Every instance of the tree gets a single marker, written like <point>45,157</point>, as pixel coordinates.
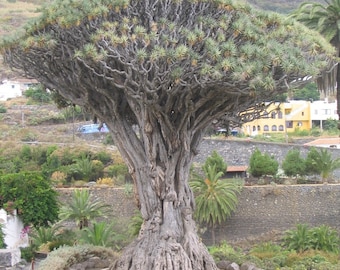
<point>293,164</point>
<point>169,68</point>
<point>82,208</point>
<point>262,164</point>
<point>309,92</point>
<point>321,162</point>
<point>216,199</point>
<point>325,19</point>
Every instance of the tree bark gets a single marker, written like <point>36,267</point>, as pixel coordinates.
<point>168,238</point>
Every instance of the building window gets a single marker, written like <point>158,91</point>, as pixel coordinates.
<point>299,124</point>
<point>13,86</point>
<point>266,128</point>
<point>273,115</point>
<point>281,128</point>
<point>265,115</point>
<point>280,115</point>
<point>258,128</point>
<point>316,112</point>
<point>303,113</point>
<point>274,128</point>
<point>289,124</point>
<point>254,128</point>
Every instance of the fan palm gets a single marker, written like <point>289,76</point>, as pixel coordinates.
<point>325,19</point>
<point>215,199</point>
<point>82,208</point>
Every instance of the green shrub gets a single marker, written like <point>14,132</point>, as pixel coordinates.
<point>215,160</point>
<point>38,94</point>
<point>318,238</point>
<point>32,195</point>
<point>262,164</point>
<point>293,164</point>
<point>27,253</point>
<point>3,108</point>
<point>117,169</point>
<point>103,156</point>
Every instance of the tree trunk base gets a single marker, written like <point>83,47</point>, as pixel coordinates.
<point>165,254</point>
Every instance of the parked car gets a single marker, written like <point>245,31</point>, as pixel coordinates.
<point>93,128</point>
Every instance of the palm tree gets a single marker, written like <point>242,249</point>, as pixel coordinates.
<point>325,19</point>
<point>324,163</point>
<point>82,208</point>
<point>100,234</point>
<point>215,199</point>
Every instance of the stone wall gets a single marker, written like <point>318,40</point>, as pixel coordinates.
<point>261,209</point>
<point>238,152</point>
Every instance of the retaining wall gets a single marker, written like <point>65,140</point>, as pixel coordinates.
<point>261,209</point>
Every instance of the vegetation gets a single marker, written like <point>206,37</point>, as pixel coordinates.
<point>301,248</point>
<point>68,256</point>
<point>34,198</point>
<point>82,208</point>
<point>308,92</point>
<point>324,19</point>
<point>262,164</point>
<point>215,198</point>
<point>304,238</point>
<point>37,94</point>
<point>321,163</point>
<point>191,68</point>
<point>215,160</point>
<point>294,164</point>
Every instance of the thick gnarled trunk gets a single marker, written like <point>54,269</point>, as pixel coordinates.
<point>168,238</point>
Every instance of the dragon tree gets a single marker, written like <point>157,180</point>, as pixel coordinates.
<point>169,68</point>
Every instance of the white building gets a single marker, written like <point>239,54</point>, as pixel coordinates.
<point>14,88</point>
<point>321,110</point>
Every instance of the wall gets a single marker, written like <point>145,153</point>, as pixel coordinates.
<point>261,209</point>
<point>238,152</point>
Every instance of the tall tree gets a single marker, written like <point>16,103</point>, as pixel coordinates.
<point>325,19</point>
<point>170,68</point>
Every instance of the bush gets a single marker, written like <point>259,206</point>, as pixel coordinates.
<point>2,109</point>
<point>65,257</point>
<point>32,195</point>
<point>293,164</point>
<point>38,94</point>
<point>105,181</point>
<point>262,164</point>
<point>215,160</point>
<point>319,238</point>
<point>117,169</point>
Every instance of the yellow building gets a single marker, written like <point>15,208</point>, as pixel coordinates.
<point>281,118</point>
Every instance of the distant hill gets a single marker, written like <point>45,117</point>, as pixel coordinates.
<point>15,13</point>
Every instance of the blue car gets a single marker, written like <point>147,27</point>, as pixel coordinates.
<point>93,128</point>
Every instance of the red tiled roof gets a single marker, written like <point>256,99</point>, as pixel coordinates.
<point>326,141</point>
<point>237,168</point>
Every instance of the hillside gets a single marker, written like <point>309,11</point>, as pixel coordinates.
<point>15,13</point>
